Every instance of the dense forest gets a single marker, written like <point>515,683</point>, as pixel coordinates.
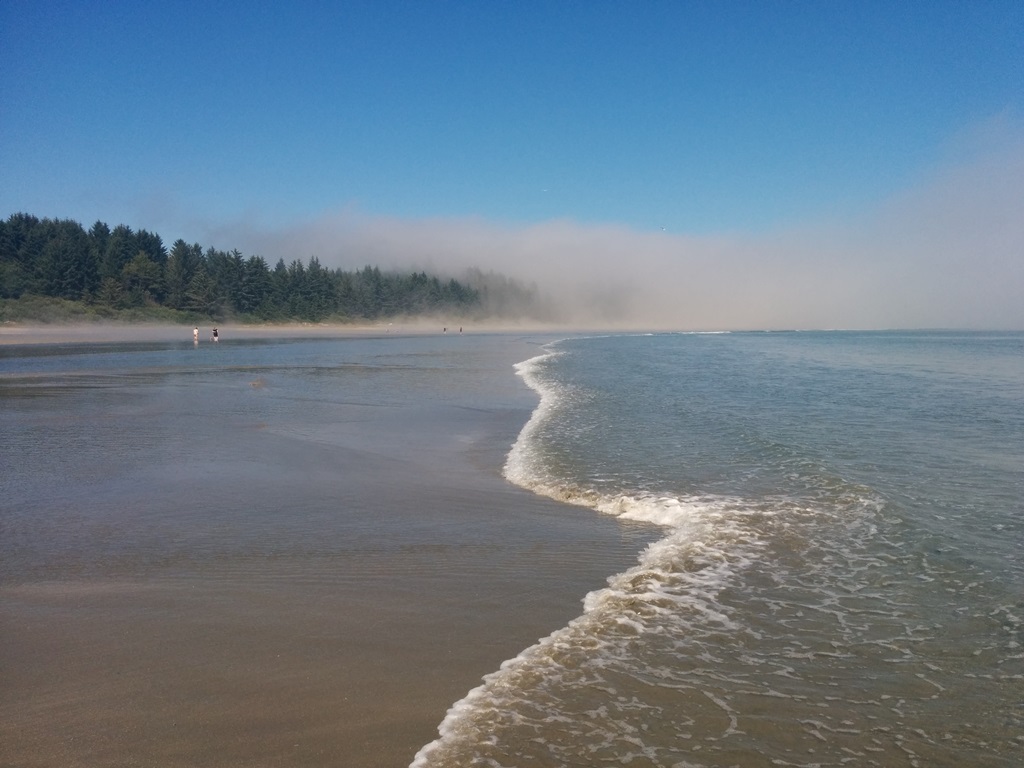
<point>120,268</point>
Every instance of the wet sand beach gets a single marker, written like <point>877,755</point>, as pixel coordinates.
<point>233,566</point>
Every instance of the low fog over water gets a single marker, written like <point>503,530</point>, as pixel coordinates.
<point>946,253</point>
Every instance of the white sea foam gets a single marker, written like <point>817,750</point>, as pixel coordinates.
<point>519,465</point>
<point>675,584</point>
<point>673,592</point>
<point>676,581</point>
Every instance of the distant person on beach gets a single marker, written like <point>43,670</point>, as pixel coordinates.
<point>195,334</point>
<point>215,336</point>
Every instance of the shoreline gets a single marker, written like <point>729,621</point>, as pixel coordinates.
<point>99,333</point>
<point>224,634</point>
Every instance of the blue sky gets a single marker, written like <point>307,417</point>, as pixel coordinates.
<point>276,126</point>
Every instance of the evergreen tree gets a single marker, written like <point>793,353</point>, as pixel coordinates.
<point>152,245</point>
<point>255,292</point>
<point>65,267</point>
<point>182,263</point>
<point>16,232</point>
<point>111,294</point>
<point>319,291</point>
<point>225,271</point>
<point>17,263</point>
<point>121,248</point>
<point>201,294</point>
<point>279,289</point>
<point>142,280</point>
<point>99,238</point>
<point>298,292</point>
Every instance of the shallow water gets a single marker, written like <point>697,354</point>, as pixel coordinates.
<point>841,575</point>
<point>267,553</point>
<point>139,455</point>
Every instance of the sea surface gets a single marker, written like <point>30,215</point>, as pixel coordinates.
<point>839,574</point>
<point>135,459</point>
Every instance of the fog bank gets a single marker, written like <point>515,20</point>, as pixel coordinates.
<point>948,253</point>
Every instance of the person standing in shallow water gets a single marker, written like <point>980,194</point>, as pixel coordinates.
<point>216,337</point>
<point>195,335</point>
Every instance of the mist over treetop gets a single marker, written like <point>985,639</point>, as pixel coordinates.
<point>122,268</point>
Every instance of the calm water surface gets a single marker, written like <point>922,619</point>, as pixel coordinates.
<point>125,459</point>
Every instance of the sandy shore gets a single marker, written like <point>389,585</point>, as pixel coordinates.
<point>356,671</point>
<point>19,333</point>
<point>216,632</point>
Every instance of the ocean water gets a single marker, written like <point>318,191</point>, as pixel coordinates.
<point>140,460</point>
<point>840,574</point>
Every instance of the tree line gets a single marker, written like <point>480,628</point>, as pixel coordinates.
<point>122,268</point>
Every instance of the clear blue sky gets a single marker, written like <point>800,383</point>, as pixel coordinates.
<point>699,117</point>
<point>695,116</point>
